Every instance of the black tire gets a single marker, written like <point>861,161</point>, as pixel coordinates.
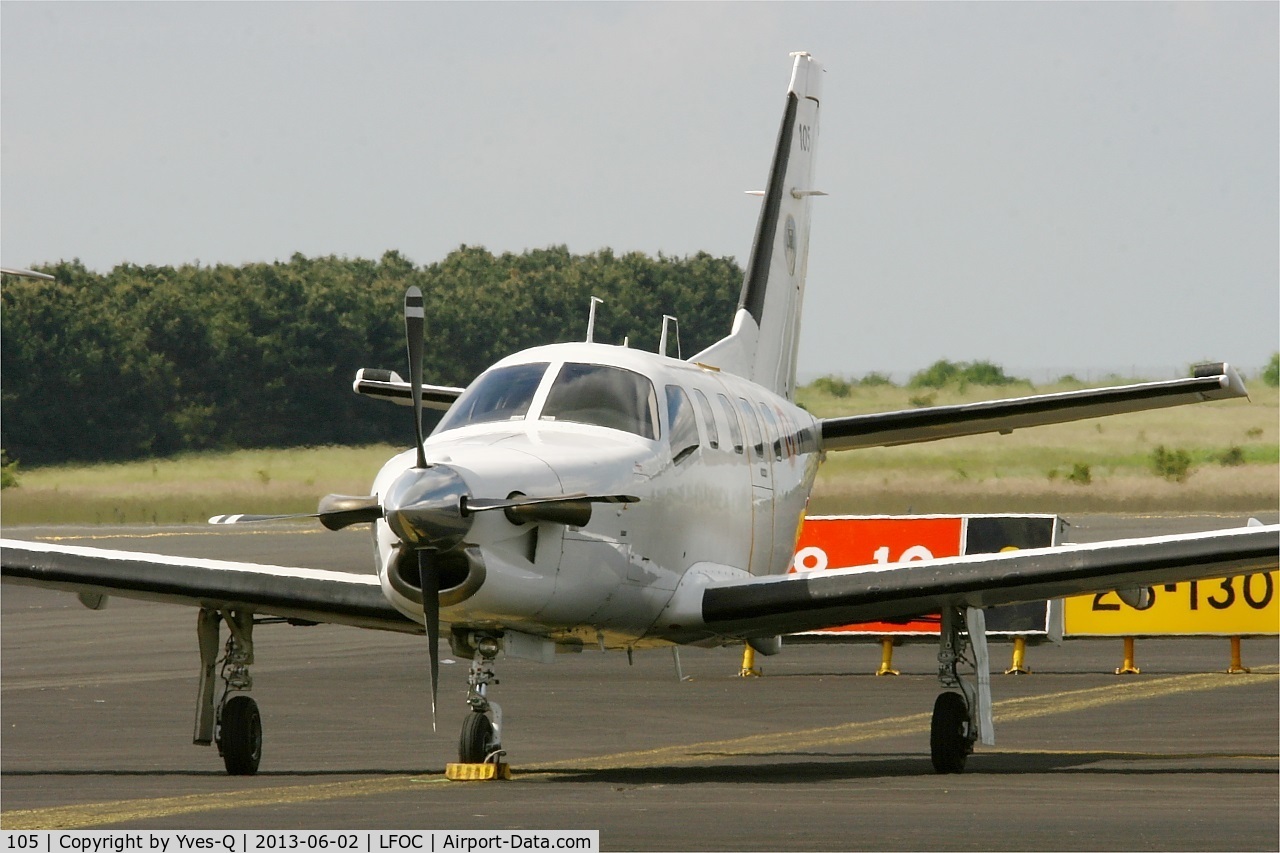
<point>949,741</point>
<point>477,739</point>
<point>240,741</point>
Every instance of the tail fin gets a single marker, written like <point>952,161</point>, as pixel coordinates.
<point>766,328</point>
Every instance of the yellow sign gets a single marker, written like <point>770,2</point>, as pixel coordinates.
<point>1228,607</point>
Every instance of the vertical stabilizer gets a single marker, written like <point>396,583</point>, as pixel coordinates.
<point>766,328</point>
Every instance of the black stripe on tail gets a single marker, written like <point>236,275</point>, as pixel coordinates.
<point>757,280</point>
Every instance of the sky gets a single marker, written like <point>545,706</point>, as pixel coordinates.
<point>1056,187</point>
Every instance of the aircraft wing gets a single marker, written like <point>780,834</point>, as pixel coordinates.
<point>304,595</point>
<point>387,385</point>
<point>786,604</point>
<point>885,429</point>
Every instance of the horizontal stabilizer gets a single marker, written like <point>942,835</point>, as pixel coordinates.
<point>911,426</point>
<point>388,385</point>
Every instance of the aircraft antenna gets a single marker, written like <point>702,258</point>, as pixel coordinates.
<point>667,319</point>
<point>591,319</point>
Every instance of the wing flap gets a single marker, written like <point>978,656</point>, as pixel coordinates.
<point>305,594</point>
<point>910,426</point>
<point>808,601</point>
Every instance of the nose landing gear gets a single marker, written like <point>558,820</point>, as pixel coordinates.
<point>480,749</point>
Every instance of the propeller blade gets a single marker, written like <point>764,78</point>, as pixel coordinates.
<point>573,510</point>
<point>414,328</point>
<point>430,580</point>
<point>335,512</point>
<point>339,511</point>
<point>246,518</point>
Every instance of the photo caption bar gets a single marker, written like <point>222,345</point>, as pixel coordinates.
<point>329,841</point>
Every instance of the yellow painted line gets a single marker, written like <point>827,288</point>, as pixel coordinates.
<point>121,811</point>
<point>1005,711</point>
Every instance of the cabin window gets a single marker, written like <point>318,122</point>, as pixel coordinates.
<point>735,430</point>
<point>682,425</point>
<point>503,394</point>
<point>772,431</point>
<point>604,396</point>
<point>708,416</point>
<point>753,426</point>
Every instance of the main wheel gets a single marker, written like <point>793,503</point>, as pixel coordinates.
<point>240,741</point>
<point>949,741</point>
<point>477,739</point>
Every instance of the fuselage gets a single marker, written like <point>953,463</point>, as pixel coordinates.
<point>722,469</point>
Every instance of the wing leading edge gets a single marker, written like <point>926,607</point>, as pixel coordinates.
<point>886,429</point>
<point>807,601</point>
<point>307,595</point>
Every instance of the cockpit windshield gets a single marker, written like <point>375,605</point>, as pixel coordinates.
<point>499,395</point>
<point>605,396</point>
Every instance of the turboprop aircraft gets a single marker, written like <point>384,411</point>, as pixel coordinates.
<point>594,494</point>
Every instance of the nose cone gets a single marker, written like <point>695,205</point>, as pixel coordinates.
<point>423,507</point>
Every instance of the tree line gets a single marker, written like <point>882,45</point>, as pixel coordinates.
<point>156,360</point>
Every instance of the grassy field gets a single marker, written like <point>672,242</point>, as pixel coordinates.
<point>1100,465</point>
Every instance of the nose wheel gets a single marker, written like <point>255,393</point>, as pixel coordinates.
<point>477,739</point>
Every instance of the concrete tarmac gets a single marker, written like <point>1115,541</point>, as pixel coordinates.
<point>818,754</point>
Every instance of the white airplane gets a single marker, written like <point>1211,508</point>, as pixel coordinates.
<point>590,494</point>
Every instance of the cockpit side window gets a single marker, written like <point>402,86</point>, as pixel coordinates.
<point>503,394</point>
<point>683,426</point>
<point>605,396</point>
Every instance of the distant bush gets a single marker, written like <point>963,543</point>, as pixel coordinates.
<point>1173,465</point>
<point>1080,474</point>
<point>838,386</point>
<point>1231,457</point>
<point>8,471</point>
<point>833,385</point>
<point>1271,375</point>
<point>943,372</point>
<point>935,375</point>
<point>875,379</point>
<point>921,401</point>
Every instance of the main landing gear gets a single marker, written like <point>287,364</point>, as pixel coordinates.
<point>232,721</point>
<point>961,718</point>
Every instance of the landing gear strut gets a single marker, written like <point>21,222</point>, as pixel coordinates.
<point>481,737</point>
<point>233,721</point>
<point>961,718</point>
